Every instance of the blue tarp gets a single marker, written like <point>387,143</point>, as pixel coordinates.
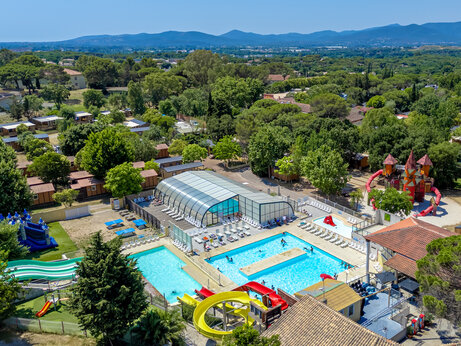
<point>139,222</point>
<point>125,232</point>
<point>113,222</point>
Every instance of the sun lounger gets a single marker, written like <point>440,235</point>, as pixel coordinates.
<point>247,233</point>
<point>198,240</point>
<point>329,236</point>
<point>344,244</point>
<point>334,239</point>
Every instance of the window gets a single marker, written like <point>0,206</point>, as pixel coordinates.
<point>93,187</point>
<point>341,311</point>
<point>35,197</point>
<point>351,310</point>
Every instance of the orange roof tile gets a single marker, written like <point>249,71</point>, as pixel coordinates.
<point>425,161</point>
<point>34,181</point>
<point>390,160</point>
<point>72,72</point>
<point>41,188</point>
<point>149,173</point>
<point>403,264</point>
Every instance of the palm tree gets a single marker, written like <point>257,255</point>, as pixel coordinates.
<point>158,327</point>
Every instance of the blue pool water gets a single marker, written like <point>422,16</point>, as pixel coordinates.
<point>341,228</point>
<point>291,276</point>
<point>164,271</point>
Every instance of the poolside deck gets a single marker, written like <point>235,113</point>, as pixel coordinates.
<point>272,261</point>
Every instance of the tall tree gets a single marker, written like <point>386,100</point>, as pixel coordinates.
<point>32,104</point>
<point>93,97</point>
<point>15,191</point>
<point>193,152</point>
<point>248,336</point>
<point>392,201</point>
<point>325,169</point>
<point>445,158</point>
<point>73,139</point>
<point>9,289</point>
<point>101,73</point>
<point>159,86</point>
<point>51,167</point>
<point>105,150</point>
<point>56,93</point>
<point>226,149</point>
<point>9,243</point>
<point>439,276</point>
<point>202,67</point>
<point>136,98</point>
<point>329,106</point>
<point>109,286</point>
<point>123,180</point>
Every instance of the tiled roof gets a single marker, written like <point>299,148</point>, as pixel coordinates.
<point>403,264</point>
<point>23,164</point>
<point>182,167</point>
<point>310,322</point>
<point>355,115</point>
<point>411,162</point>
<point>408,237</point>
<point>139,164</point>
<point>338,294</point>
<point>86,183</point>
<point>72,72</point>
<point>425,161</point>
<point>161,146</point>
<point>149,173</point>
<point>42,188</point>
<point>277,77</point>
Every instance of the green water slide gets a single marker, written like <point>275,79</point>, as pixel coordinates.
<point>53,271</point>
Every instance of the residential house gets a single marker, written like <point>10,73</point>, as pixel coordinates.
<point>134,123</point>
<point>14,141</point>
<point>404,242</point>
<point>272,78</point>
<point>9,129</point>
<point>337,295</point>
<point>77,79</point>
<point>162,151</point>
<point>87,185</point>
<point>42,192</point>
<point>83,117</point>
<point>46,123</point>
<point>23,167</point>
<point>169,161</point>
<point>151,179</point>
<point>356,116</point>
<point>310,322</point>
<point>170,171</point>
<point>67,62</point>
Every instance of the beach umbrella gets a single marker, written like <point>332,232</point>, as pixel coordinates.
<point>8,216</point>
<point>16,215</point>
<point>40,221</point>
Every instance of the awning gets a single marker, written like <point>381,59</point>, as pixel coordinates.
<point>409,285</point>
<point>385,277</point>
<point>139,222</point>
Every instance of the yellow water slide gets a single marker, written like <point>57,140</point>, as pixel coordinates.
<point>216,300</point>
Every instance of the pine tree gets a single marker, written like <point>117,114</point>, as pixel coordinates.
<point>109,294</point>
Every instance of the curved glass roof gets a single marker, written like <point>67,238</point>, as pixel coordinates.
<point>195,192</point>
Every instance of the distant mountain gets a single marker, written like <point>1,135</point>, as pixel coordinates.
<point>390,35</point>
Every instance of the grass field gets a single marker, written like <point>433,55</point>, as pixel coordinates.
<point>65,244</point>
<point>29,308</point>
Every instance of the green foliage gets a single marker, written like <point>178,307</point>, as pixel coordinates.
<point>16,108</point>
<point>9,244</point>
<point>135,98</point>
<point>55,93</point>
<point>247,336</point>
<point>356,197</point>
<point>32,104</point>
<point>9,289</point>
<point>286,166</point>
<point>123,180</point>
<point>152,165</point>
<point>15,193</point>
<point>219,127</point>
<point>202,67</point>
<point>267,145</point>
<point>105,150</point>
<point>176,148</point>
<point>392,201</point>
<point>159,86</point>
<point>153,117</point>
<point>376,102</point>
<point>117,101</point>
<point>22,129</point>
<point>92,97</point>
<point>66,197</point>
<point>51,167</point>
<point>73,139</point>
<point>153,134</point>
<point>226,149</point>
<point>7,153</point>
<point>109,286</point>
<point>100,73</point>
<point>329,106</point>
<point>445,157</point>
<point>158,327</point>
<point>192,102</point>
<point>439,276</point>
<point>166,107</point>
<point>36,147</point>
<point>194,152</point>
<point>325,169</point>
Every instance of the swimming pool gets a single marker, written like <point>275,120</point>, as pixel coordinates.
<point>164,271</point>
<point>291,276</point>
<point>341,228</point>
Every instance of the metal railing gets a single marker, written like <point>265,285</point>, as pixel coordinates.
<point>334,205</point>
<point>216,277</point>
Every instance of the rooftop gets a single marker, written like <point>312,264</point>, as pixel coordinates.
<point>277,77</point>
<point>82,114</point>
<point>47,118</point>
<point>189,165</point>
<point>16,139</point>
<point>86,182</point>
<point>169,160</point>
<point>72,72</point>
<point>139,129</point>
<point>80,175</point>
<point>310,322</point>
<point>10,126</point>
<point>338,294</point>
<point>134,123</point>
<point>161,146</point>
<point>34,181</point>
<point>42,188</point>
<point>149,173</point>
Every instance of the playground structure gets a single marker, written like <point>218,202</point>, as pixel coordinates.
<point>412,178</point>
<point>34,236</point>
<point>329,221</point>
<point>222,300</point>
<point>38,270</point>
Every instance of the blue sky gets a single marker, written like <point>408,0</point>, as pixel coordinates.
<point>48,20</point>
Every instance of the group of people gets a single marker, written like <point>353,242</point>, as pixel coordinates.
<point>311,249</point>
<point>230,259</point>
<point>345,265</point>
<point>283,242</point>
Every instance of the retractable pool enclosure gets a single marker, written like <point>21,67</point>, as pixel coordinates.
<point>211,198</point>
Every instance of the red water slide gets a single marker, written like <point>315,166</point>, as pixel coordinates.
<point>251,286</point>
<point>438,197</point>
<point>263,290</point>
<point>376,174</point>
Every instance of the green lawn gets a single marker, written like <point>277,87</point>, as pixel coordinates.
<point>29,308</point>
<point>65,244</point>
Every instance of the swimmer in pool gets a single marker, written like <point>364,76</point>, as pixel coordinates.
<point>312,249</point>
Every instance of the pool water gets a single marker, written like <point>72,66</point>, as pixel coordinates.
<point>341,228</point>
<point>291,276</point>
<point>164,271</point>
